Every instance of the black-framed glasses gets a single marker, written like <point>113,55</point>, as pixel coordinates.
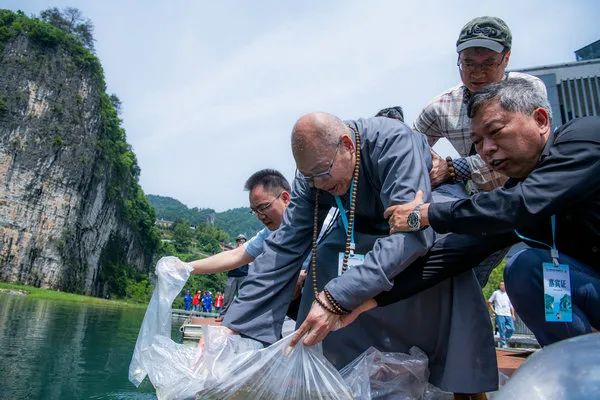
<point>263,208</point>
<point>488,66</point>
<point>310,179</point>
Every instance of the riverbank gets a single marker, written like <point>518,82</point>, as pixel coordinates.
<point>48,294</point>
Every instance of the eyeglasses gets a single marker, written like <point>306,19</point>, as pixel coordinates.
<point>262,209</point>
<point>488,66</point>
<point>310,179</point>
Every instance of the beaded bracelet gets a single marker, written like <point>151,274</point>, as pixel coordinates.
<point>451,170</point>
<point>334,303</point>
<point>326,308</point>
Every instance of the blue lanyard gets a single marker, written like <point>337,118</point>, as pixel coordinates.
<point>553,249</point>
<point>344,217</point>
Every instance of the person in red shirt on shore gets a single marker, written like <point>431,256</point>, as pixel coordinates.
<point>196,301</point>
<point>218,302</point>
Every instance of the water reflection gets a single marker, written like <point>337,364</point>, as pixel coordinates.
<point>59,350</point>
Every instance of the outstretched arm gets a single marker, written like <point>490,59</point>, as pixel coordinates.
<point>222,262</point>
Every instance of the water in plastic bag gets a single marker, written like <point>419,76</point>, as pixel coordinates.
<point>279,372</point>
<point>179,371</point>
<point>376,375</point>
<point>566,370</point>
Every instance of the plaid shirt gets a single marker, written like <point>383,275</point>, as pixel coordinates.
<point>446,116</point>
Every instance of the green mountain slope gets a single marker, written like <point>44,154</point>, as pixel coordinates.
<point>234,221</point>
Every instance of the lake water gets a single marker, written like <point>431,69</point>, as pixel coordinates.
<point>60,350</point>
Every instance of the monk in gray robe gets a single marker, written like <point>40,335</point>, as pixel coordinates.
<point>384,163</point>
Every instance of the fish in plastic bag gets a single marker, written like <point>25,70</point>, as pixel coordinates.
<point>279,372</point>
<point>376,375</point>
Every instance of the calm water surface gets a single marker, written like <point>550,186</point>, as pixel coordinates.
<point>59,350</point>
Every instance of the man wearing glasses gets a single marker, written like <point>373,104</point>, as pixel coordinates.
<point>483,48</point>
<point>361,167</point>
<point>269,195</point>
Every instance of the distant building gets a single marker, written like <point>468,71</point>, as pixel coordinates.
<point>573,87</point>
<point>588,52</point>
<point>163,223</point>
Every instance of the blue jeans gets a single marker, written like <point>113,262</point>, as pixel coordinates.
<point>523,277</point>
<point>506,327</point>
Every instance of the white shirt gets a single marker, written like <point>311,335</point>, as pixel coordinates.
<point>501,303</point>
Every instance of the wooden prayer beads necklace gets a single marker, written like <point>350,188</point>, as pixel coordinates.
<point>337,309</point>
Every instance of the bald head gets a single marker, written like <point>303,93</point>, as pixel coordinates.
<point>324,151</point>
<point>315,132</point>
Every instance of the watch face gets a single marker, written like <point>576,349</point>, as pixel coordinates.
<point>413,220</point>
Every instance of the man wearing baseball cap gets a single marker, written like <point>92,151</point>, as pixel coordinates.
<point>483,48</point>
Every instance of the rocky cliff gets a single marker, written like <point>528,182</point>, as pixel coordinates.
<point>71,209</point>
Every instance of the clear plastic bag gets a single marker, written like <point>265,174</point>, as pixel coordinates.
<point>279,372</point>
<point>172,275</point>
<point>179,371</point>
<point>375,375</point>
<point>566,370</point>
<point>230,367</point>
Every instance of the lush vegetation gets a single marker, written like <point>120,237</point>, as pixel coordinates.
<point>49,32</point>
<point>38,293</point>
<point>234,221</point>
<point>189,244</point>
<point>170,209</point>
<point>238,220</point>
<point>68,31</point>
<point>496,277</point>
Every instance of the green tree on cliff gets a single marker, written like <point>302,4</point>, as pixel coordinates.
<point>71,21</point>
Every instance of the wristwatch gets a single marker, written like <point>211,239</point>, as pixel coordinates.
<point>414,219</point>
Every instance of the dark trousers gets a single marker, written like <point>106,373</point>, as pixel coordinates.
<point>231,290</point>
<point>523,277</point>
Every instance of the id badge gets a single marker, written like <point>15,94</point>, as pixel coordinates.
<point>557,293</point>
<point>353,260</point>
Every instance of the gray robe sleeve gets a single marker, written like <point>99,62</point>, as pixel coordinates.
<point>399,163</point>
<point>259,309</point>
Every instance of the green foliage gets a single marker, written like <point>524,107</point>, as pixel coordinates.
<point>172,210</point>
<point>234,222</point>
<point>3,106</point>
<point>496,277</point>
<point>138,291</point>
<point>238,220</point>
<point>48,294</point>
<point>182,234</point>
<point>57,141</point>
<point>188,245</point>
<point>46,35</point>
<point>71,21</point>
<point>121,280</point>
<point>209,238</point>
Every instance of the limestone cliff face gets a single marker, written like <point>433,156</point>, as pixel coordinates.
<point>60,215</point>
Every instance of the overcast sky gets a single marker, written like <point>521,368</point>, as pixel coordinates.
<point>211,89</point>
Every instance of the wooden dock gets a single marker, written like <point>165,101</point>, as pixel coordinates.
<point>178,314</point>
<point>192,323</point>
